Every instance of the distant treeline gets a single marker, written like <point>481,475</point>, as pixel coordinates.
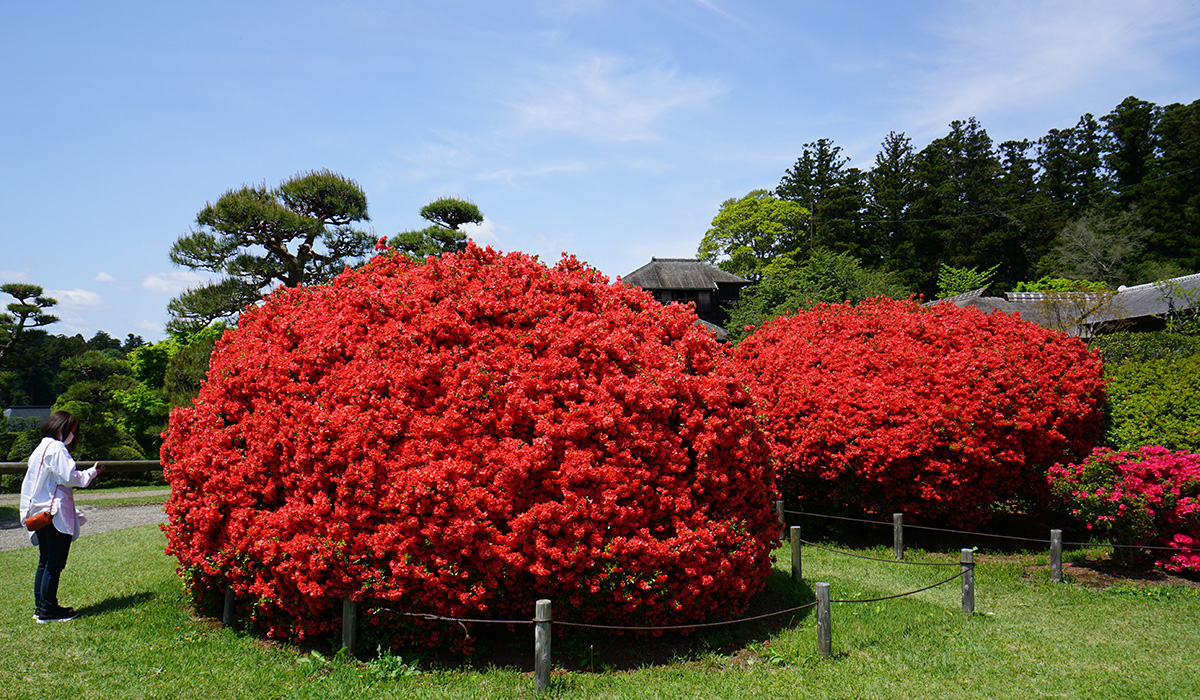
<point>1115,199</point>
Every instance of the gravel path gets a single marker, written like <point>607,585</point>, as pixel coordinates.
<point>99,518</point>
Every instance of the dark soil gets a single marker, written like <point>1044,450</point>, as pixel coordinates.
<point>1107,574</point>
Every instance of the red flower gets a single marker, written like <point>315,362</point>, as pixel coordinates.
<point>933,411</point>
<point>464,437</point>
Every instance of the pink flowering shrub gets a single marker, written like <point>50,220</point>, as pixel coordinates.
<point>1145,496</point>
<point>463,437</point>
<point>938,412</point>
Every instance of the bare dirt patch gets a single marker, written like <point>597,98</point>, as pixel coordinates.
<point>1108,574</point>
<point>1105,573</point>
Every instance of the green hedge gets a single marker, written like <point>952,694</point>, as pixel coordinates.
<point>1119,348</point>
<point>1156,402</point>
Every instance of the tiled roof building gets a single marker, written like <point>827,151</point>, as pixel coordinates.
<point>1144,307</point>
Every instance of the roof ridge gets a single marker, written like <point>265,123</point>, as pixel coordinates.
<point>1156,283</point>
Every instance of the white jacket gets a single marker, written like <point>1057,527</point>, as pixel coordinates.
<point>49,484</point>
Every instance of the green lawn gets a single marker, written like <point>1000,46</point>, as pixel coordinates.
<point>1030,638</point>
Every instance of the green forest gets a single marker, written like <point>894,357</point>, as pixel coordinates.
<point>1112,200</point>
<point>122,391</point>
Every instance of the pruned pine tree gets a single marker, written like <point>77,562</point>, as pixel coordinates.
<point>254,239</point>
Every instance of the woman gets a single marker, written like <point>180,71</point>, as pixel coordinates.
<point>49,486</point>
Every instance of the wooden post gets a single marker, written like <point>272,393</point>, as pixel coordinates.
<point>541,645</point>
<point>824,630</point>
<point>1056,556</point>
<point>227,613</point>
<point>797,576</point>
<point>782,523</point>
<point>349,626</point>
<point>898,535</point>
<point>968,581</point>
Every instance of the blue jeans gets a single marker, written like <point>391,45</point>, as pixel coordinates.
<point>53,547</point>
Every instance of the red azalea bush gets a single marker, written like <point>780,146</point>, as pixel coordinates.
<point>939,411</point>
<point>1145,496</point>
<point>463,437</point>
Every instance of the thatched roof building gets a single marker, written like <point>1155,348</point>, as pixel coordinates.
<point>684,280</point>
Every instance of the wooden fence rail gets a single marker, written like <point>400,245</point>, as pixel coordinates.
<point>138,465</point>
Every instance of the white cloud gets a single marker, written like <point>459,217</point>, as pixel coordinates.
<point>599,98</point>
<point>7,276</point>
<point>717,9</point>
<point>605,98</point>
<point>104,277</point>
<point>173,282</point>
<point>484,234</point>
<point>1002,56</point>
<point>150,329</point>
<point>76,298</point>
<point>567,8</point>
<point>533,170</point>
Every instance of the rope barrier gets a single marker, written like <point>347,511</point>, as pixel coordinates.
<point>968,566</point>
<point>838,517</point>
<point>443,618</point>
<point>662,628</point>
<point>695,625</point>
<point>997,536</point>
<point>920,527</point>
<point>544,619</point>
<point>626,628</point>
<point>902,595</point>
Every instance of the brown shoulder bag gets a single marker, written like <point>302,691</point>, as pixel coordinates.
<point>40,520</point>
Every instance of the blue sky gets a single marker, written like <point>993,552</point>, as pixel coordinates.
<point>609,130</point>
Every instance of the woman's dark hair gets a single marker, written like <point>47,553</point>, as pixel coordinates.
<point>59,425</point>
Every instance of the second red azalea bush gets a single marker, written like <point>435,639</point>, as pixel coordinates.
<point>937,412</point>
<point>463,437</point>
<point>1149,496</point>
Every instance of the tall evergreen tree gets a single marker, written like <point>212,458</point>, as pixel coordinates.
<point>1119,196</point>
<point>954,207</point>
<point>835,194</point>
<point>1026,215</point>
<point>1130,144</point>
<point>890,186</point>
<point>23,317</point>
<point>1171,209</point>
<point>1072,166</point>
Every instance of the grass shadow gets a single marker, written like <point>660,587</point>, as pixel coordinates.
<point>114,603</point>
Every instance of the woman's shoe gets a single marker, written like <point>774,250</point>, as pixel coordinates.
<point>58,615</point>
